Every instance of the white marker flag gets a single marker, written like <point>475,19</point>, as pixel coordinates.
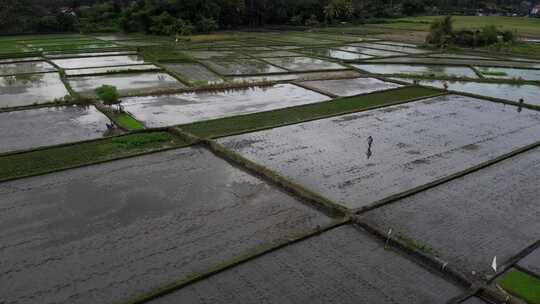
<point>494,264</point>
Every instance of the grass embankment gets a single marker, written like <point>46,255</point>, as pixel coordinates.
<point>239,124</point>
<point>125,121</point>
<point>521,285</point>
<point>69,156</point>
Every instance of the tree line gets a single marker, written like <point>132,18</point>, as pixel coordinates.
<point>168,17</point>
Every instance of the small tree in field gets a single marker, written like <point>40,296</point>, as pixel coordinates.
<point>109,95</point>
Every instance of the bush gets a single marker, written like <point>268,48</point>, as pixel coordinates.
<point>184,28</point>
<point>441,31</point>
<point>509,36</point>
<point>312,21</point>
<point>465,38</point>
<point>207,25</point>
<point>108,94</point>
<point>488,35</point>
<point>297,20</point>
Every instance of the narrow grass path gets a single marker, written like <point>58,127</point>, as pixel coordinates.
<point>264,120</point>
<point>41,161</point>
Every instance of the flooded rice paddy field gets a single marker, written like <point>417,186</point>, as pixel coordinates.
<point>28,89</point>
<point>113,69</point>
<point>109,232</point>
<point>167,110</point>
<point>342,265</point>
<point>126,83</point>
<point>350,87</point>
<point>418,70</point>
<point>102,61</point>
<point>194,72</point>
<point>491,212</point>
<point>531,262</point>
<point>512,92</point>
<point>410,147</point>
<point>29,129</point>
<point>116,231</point>
<point>26,68</point>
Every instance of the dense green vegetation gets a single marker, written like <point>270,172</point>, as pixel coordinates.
<point>521,285</point>
<point>127,122</point>
<point>239,124</point>
<point>169,17</point>
<point>58,158</point>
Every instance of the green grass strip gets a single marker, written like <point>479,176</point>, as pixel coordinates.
<point>69,156</point>
<point>127,122</point>
<point>521,285</point>
<point>244,123</point>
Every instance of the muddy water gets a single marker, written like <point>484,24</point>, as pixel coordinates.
<point>211,54</point>
<point>350,87</point>
<point>424,70</point>
<point>20,59</point>
<point>126,83</point>
<point>337,54</point>
<point>91,54</point>
<point>124,68</point>
<point>529,93</point>
<point>276,54</point>
<point>342,265</point>
<point>524,74</point>
<point>92,62</point>
<point>22,130</point>
<point>468,221</point>
<point>194,73</point>
<point>109,233</point>
<point>367,51</point>
<point>242,66</point>
<point>455,61</point>
<point>26,67</point>
<point>392,48</point>
<point>159,111</point>
<point>531,262</point>
<point>299,64</point>
<point>28,89</point>
<point>298,76</point>
<point>413,144</point>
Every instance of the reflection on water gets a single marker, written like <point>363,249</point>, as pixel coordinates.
<point>243,66</point>
<point>338,54</point>
<point>27,89</point>
<point>92,62</point>
<point>513,92</point>
<point>166,110</point>
<point>423,70</point>
<point>126,83</point>
<point>25,67</point>
<point>508,73</point>
<point>304,64</point>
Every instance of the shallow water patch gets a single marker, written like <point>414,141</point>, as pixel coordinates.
<point>299,64</point>
<point>350,87</point>
<point>28,89</point>
<point>420,70</point>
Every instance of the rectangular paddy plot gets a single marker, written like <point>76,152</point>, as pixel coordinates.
<point>454,61</point>
<point>126,83</point>
<point>26,67</point>
<point>112,232</point>
<point>469,220</point>
<point>28,129</point>
<point>418,70</point>
<point>507,73</point>
<point>511,92</point>
<point>531,263</point>
<point>242,67</point>
<point>350,87</point>
<point>167,110</point>
<point>102,61</point>
<point>115,69</point>
<point>29,89</point>
<point>298,64</point>
<point>296,76</point>
<point>343,265</point>
<point>370,52</point>
<point>336,54</point>
<point>89,54</point>
<point>194,73</point>
<point>413,144</point>
<point>393,48</point>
